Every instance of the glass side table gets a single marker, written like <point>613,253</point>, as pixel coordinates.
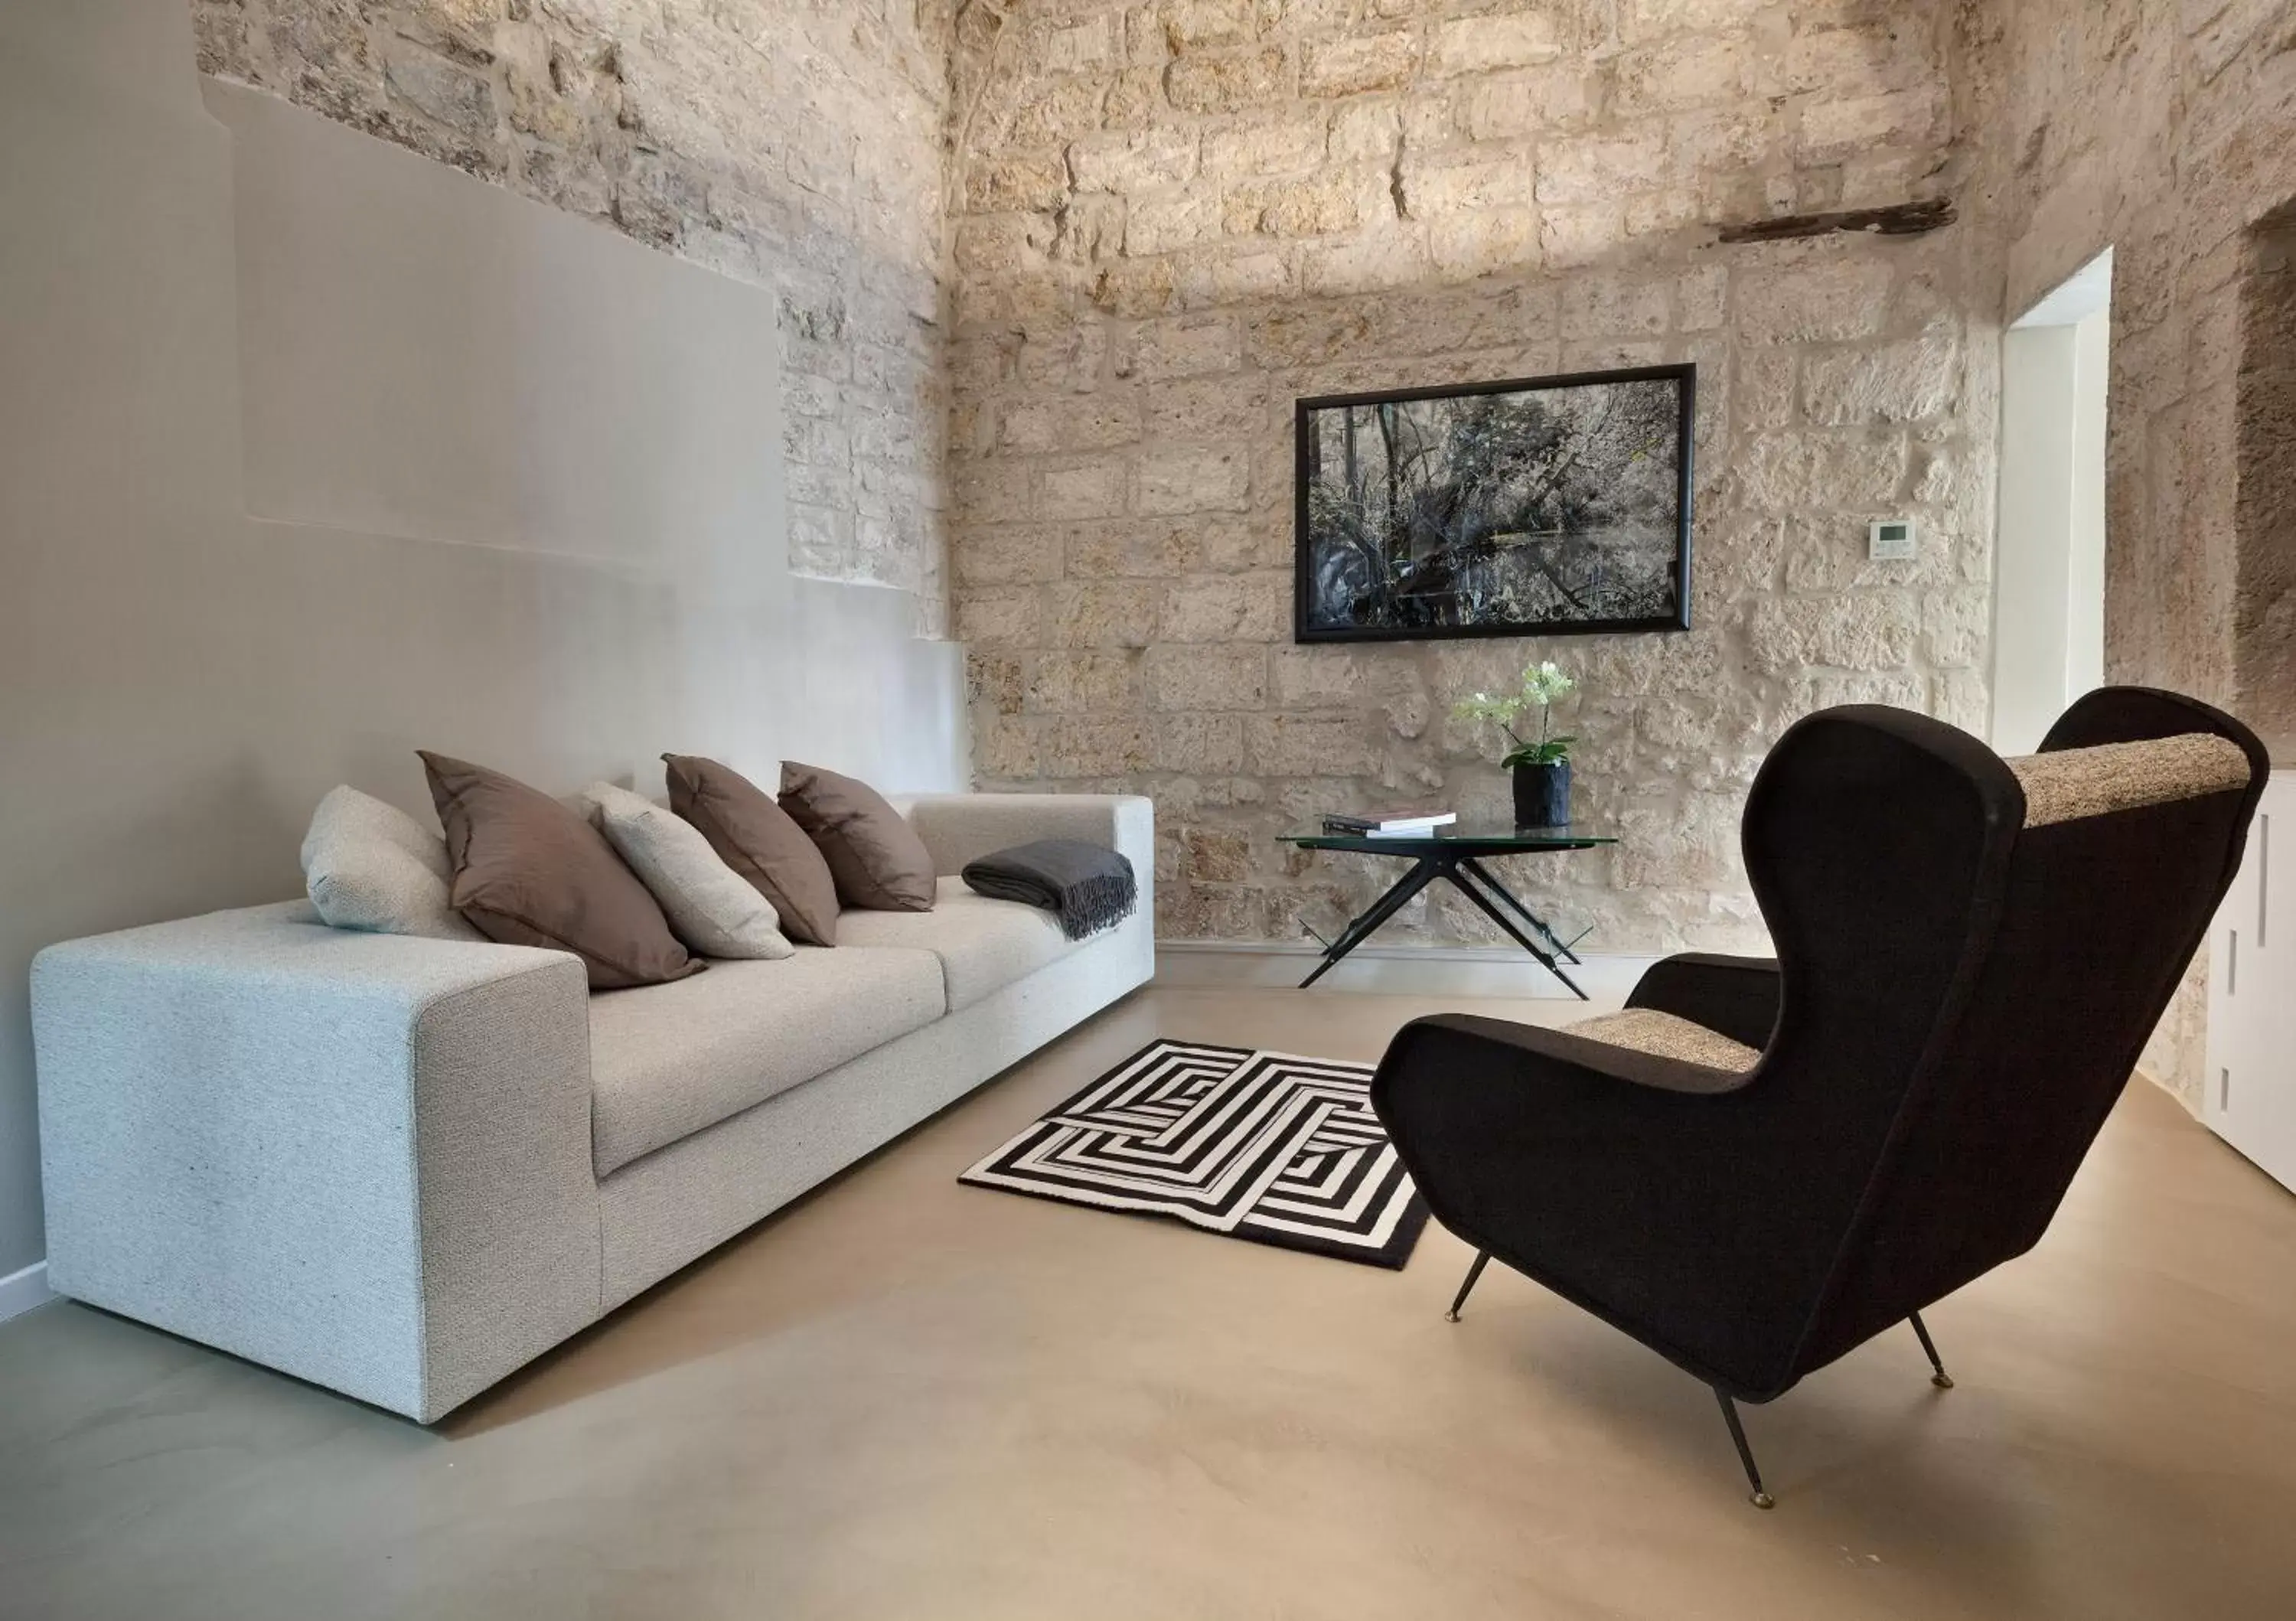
<point>1455,853</point>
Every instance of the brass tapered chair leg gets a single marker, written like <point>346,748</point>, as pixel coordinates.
<point>1759,1498</point>
<point>1938,1376</point>
<point>1482,1259</point>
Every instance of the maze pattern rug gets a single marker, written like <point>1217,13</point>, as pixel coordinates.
<point>1266,1146</point>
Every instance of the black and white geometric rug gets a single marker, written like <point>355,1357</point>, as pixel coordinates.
<point>1264,1146</point>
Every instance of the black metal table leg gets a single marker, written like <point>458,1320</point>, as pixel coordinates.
<point>1492,912</point>
<point>1473,879</point>
<point>1485,876</point>
<point>1385,907</point>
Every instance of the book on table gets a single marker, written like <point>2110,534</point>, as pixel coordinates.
<point>1401,824</point>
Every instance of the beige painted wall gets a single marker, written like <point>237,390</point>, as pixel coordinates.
<point>1178,217</point>
<point>313,450</point>
<point>792,144</point>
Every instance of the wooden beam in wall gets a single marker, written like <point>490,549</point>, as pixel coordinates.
<point>1898,220</point>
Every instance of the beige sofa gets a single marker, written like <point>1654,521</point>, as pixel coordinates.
<point>402,1168</point>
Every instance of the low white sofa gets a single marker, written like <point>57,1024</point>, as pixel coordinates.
<point>403,1168</point>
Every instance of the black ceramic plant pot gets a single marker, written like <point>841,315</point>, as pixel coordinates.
<point>1542,795</point>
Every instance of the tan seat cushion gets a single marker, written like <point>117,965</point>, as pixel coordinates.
<point>669,1060</point>
<point>1666,1036</point>
<point>983,945</point>
<point>2068,783</point>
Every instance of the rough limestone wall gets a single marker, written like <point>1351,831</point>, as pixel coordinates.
<point>1178,218</point>
<point>792,143</point>
<point>2264,516</point>
<point>2168,133</point>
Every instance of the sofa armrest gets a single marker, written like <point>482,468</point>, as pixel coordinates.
<point>959,828</point>
<point>361,1159</point>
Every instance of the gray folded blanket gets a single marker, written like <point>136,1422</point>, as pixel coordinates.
<point>1089,886</point>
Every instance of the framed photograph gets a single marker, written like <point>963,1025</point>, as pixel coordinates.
<point>1544,506</point>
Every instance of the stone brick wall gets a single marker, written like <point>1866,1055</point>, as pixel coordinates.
<point>792,143</point>
<point>1178,218</point>
<point>1169,217</point>
<point>2168,134</point>
<point>1194,152</point>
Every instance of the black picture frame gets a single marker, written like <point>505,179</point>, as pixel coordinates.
<point>1685,376</point>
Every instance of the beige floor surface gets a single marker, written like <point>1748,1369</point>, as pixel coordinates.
<point>905,1398</point>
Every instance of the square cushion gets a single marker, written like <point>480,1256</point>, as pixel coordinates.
<point>758,839</point>
<point>667,1061</point>
<point>983,945</point>
<point>1669,1035</point>
<point>531,871</point>
<point>876,857</point>
<point>712,908</point>
<point>369,866</point>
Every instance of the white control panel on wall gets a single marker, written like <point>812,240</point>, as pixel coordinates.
<point>1890,540</point>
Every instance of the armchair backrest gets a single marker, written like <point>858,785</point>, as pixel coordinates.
<point>1973,953</point>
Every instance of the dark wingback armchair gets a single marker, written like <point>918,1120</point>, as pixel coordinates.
<point>1762,1164</point>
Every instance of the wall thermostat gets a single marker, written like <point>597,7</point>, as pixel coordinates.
<point>1889,540</point>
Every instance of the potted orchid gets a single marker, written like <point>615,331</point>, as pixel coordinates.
<point>1541,765</point>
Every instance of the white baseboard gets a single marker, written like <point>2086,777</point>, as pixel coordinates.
<point>20,1291</point>
<point>1440,970</point>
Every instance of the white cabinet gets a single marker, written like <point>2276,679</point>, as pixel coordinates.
<point>2251,1080</point>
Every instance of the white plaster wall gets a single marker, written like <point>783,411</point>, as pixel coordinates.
<point>2032,567</point>
<point>2085,575</point>
<point>313,452</point>
<point>2048,603</point>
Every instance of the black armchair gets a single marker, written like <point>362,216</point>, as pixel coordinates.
<point>1760,1165</point>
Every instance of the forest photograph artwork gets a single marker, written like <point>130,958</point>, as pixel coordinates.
<point>1552,505</point>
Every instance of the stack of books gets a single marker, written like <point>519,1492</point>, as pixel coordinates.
<point>1403,825</point>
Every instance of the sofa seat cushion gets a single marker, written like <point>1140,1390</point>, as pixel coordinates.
<point>667,1059</point>
<point>983,945</point>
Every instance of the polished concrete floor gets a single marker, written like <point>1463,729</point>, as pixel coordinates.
<point>905,1399</point>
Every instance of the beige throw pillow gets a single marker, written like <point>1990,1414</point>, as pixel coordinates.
<point>876,857</point>
<point>712,908</point>
<point>369,866</point>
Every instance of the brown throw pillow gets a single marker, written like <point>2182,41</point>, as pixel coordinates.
<point>756,837</point>
<point>529,871</point>
<point>878,862</point>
